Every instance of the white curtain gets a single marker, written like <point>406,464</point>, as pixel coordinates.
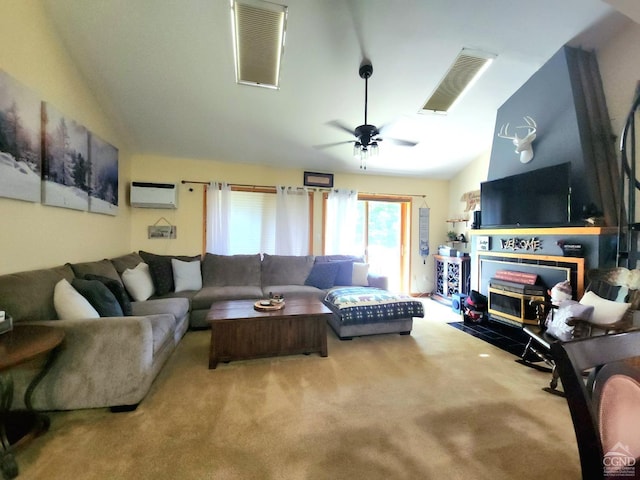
<point>292,221</point>
<point>341,236</point>
<point>218,210</point>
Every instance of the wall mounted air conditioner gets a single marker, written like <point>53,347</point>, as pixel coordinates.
<point>154,195</point>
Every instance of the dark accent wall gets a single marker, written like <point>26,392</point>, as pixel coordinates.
<point>554,98</point>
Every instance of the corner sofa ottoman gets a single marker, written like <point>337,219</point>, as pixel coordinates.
<point>359,311</point>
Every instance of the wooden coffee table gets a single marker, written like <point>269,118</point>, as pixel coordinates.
<point>240,332</point>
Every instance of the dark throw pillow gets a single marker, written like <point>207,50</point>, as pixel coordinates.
<point>345,272</point>
<point>162,275</point>
<point>323,275</point>
<point>117,289</point>
<point>99,296</point>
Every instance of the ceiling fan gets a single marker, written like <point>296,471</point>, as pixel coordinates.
<point>366,136</point>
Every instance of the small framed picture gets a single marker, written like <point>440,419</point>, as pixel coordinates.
<point>314,179</point>
<point>163,231</point>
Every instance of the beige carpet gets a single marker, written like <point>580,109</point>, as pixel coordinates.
<point>438,404</point>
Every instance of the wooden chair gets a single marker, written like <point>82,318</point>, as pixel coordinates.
<point>610,284</point>
<point>605,406</point>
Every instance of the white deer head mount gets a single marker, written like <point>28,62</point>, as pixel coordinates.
<point>523,144</point>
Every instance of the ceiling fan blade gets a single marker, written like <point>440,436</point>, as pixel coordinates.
<point>334,144</point>
<point>402,143</point>
<point>338,124</point>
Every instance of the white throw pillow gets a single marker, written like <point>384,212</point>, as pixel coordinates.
<point>138,282</point>
<point>186,275</point>
<point>605,311</point>
<point>70,304</point>
<point>360,273</point>
<point>557,320</point>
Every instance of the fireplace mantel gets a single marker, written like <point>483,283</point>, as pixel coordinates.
<point>539,250</point>
<point>546,231</point>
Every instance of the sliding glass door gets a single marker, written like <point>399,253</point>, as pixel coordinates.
<point>383,230</point>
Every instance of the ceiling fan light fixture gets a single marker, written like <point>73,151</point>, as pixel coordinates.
<point>364,152</point>
<point>258,28</point>
<point>468,66</point>
<point>357,149</point>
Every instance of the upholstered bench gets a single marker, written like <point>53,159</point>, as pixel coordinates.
<point>361,311</point>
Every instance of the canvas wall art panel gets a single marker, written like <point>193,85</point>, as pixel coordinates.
<point>103,179</point>
<point>20,150</point>
<point>65,164</point>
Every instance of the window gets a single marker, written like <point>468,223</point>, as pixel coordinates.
<point>252,222</point>
<point>257,220</point>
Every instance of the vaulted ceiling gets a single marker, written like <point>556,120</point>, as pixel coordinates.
<point>163,70</point>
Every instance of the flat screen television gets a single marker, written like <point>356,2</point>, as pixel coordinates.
<point>539,198</point>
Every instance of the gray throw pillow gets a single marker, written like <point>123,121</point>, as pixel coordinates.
<point>98,296</point>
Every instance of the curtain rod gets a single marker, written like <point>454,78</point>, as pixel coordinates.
<point>315,189</point>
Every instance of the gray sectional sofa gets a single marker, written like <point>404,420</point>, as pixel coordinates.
<point>104,362</point>
<point>112,361</point>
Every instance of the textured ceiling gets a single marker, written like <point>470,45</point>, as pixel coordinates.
<point>164,71</point>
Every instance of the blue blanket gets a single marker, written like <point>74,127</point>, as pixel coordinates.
<point>360,305</point>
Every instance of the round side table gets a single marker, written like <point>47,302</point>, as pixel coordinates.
<point>20,345</point>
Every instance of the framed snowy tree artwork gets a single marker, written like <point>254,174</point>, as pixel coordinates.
<point>65,161</point>
<point>103,178</point>
<point>20,151</point>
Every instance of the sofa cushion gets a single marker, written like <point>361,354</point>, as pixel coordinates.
<point>117,288</point>
<point>288,291</point>
<point>205,297</point>
<point>162,327</point>
<point>70,304</point>
<point>28,296</point>
<point>338,258</point>
<point>138,282</point>
<point>99,296</point>
<point>230,270</point>
<point>286,269</point>
<point>177,307</point>
<point>104,268</point>
<point>123,262</point>
<point>186,275</point>
<point>323,275</point>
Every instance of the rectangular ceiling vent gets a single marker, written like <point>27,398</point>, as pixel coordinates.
<point>466,69</point>
<point>258,41</point>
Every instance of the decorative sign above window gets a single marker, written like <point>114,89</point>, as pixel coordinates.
<point>532,244</point>
<point>314,179</point>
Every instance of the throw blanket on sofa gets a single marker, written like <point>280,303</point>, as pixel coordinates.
<point>358,305</point>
